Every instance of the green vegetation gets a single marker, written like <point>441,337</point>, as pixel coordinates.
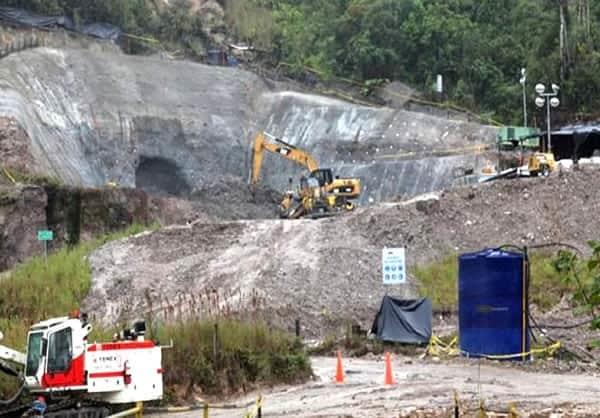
<point>36,290</point>
<point>10,176</point>
<point>248,353</point>
<point>175,25</point>
<point>584,276</point>
<point>438,281</point>
<point>479,46</point>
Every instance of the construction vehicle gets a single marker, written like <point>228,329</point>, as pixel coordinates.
<point>541,163</point>
<point>72,377</point>
<point>319,194</point>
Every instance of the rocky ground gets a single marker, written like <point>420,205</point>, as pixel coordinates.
<point>327,272</point>
<point>424,389</point>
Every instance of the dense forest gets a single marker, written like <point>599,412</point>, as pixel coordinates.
<point>479,46</point>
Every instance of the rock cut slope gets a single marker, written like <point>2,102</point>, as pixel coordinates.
<point>327,272</point>
<point>173,127</point>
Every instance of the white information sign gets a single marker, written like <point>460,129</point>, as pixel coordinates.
<point>394,266</point>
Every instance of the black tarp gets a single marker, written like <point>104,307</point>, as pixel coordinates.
<point>403,321</point>
<point>102,30</point>
<point>24,18</point>
<point>573,141</point>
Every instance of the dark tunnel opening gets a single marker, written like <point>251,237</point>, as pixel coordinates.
<point>161,177</point>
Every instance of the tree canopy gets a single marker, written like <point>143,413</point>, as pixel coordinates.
<point>479,46</point>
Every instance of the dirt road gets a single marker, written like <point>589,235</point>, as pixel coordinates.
<point>424,386</point>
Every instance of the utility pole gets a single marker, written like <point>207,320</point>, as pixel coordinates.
<point>523,82</point>
<point>550,100</point>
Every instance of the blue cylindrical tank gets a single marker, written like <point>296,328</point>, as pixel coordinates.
<point>492,303</point>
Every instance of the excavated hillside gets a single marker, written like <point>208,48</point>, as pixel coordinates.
<point>327,272</point>
<point>174,128</point>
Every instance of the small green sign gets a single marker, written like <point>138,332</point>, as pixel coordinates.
<point>45,235</point>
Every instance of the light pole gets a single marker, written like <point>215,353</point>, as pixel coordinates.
<point>550,100</point>
<point>523,81</point>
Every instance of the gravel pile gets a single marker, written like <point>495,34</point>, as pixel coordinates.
<point>327,272</point>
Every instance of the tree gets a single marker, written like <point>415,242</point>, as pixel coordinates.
<point>584,275</point>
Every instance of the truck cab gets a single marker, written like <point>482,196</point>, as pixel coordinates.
<point>55,356</point>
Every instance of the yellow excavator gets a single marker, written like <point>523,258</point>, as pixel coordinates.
<point>319,194</point>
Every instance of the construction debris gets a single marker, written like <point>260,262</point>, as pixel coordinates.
<point>328,271</point>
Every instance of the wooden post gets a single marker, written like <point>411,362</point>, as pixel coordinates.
<point>205,411</point>
<point>259,406</point>
<point>456,405</point>
<point>215,344</point>
<point>297,327</point>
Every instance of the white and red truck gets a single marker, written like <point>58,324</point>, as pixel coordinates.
<point>62,365</point>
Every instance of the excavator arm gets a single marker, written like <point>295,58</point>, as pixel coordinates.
<point>288,151</point>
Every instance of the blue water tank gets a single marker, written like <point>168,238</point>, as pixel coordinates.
<point>492,304</point>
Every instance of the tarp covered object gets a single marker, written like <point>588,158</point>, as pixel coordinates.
<point>102,30</point>
<point>403,321</point>
<point>25,18</point>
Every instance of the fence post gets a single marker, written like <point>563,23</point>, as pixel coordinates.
<point>456,406</point>
<point>205,411</point>
<point>482,412</point>
<point>215,344</point>
<point>259,409</point>
<point>297,327</point>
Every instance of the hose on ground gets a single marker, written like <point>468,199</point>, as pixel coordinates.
<point>17,395</point>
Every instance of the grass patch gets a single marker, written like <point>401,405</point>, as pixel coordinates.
<point>247,354</point>
<point>547,287</point>
<point>38,289</point>
<point>438,281</point>
<point>11,175</point>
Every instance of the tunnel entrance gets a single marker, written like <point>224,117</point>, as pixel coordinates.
<point>161,177</point>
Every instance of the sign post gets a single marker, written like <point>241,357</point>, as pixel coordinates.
<point>45,236</point>
<point>393,266</point>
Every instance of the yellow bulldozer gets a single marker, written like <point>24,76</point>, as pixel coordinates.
<point>541,164</point>
<point>319,193</point>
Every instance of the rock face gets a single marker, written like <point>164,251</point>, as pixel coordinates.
<point>22,213</point>
<point>394,152</point>
<point>328,272</point>
<point>15,151</point>
<point>173,127</point>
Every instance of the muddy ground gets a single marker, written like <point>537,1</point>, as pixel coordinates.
<point>424,388</point>
<point>327,272</point>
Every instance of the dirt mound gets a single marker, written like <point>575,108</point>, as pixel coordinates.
<point>231,198</point>
<point>327,272</point>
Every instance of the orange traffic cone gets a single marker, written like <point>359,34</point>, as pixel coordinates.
<point>389,375</point>
<point>339,372</point>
